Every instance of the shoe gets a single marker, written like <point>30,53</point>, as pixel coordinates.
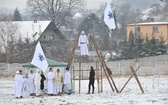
<point>92,92</point>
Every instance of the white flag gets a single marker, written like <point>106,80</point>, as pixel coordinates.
<point>39,60</point>
<point>109,17</point>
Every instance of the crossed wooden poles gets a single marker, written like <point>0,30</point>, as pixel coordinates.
<point>107,71</point>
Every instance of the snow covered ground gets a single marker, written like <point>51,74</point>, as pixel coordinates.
<point>155,87</point>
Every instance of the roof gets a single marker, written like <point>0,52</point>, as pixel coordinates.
<point>29,29</point>
<point>149,23</point>
<point>51,63</point>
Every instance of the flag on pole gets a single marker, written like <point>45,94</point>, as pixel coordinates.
<point>109,17</point>
<point>39,60</point>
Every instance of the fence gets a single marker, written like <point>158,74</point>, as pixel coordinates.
<point>7,69</point>
<point>157,65</point>
<point>148,66</point>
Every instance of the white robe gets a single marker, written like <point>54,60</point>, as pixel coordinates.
<point>82,43</point>
<point>37,83</point>
<point>50,77</point>
<point>18,86</point>
<point>32,85</point>
<point>67,77</point>
<point>26,87</point>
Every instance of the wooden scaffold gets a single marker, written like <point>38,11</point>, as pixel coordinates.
<point>103,67</point>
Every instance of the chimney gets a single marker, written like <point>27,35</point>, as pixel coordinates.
<point>35,20</point>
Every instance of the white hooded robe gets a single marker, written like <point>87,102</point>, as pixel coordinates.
<point>82,43</point>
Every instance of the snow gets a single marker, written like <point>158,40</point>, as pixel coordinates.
<point>77,15</point>
<point>151,23</point>
<point>30,28</point>
<point>155,88</point>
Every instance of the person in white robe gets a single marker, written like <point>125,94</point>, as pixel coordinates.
<point>26,90</point>
<point>37,82</point>
<point>59,82</point>
<point>55,84</point>
<point>18,85</point>
<point>82,43</point>
<point>50,78</point>
<point>67,81</point>
<point>31,78</point>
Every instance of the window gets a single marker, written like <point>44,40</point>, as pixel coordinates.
<point>52,37</point>
<point>44,37</point>
<point>155,28</point>
<point>138,29</point>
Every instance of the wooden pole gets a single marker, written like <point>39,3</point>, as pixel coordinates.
<point>97,76</point>
<point>103,65</point>
<point>101,79</point>
<point>129,79</point>
<point>73,50</point>
<point>79,76</point>
<point>105,68</point>
<point>136,77</point>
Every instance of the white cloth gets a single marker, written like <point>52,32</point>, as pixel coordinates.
<point>109,17</point>
<point>67,77</point>
<point>50,77</point>
<point>82,43</point>
<point>26,87</point>
<point>18,86</point>
<point>37,79</point>
<point>37,82</point>
<point>31,78</point>
<point>39,59</point>
<point>37,90</point>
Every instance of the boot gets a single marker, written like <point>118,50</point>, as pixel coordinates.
<point>92,92</point>
<point>88,92</point>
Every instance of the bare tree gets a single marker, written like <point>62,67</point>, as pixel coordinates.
<point>7,39</point>
<point>55,10</point>
<point>5,15</point>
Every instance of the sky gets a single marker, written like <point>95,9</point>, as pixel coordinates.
<point>21,4</point>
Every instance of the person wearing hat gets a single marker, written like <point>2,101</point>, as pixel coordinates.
<point>18,85</point>
<point>82,43</point>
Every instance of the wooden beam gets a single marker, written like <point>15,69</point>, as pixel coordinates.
<point>129,79</point>
<point>73,50</point>
<point>79,76</point>
<point>136,77</point>
<point>104,66</point>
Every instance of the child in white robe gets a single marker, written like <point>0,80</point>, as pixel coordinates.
<point>37,82</point>
<point>59,82</point>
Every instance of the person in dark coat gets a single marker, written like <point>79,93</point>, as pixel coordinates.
<point>91,80</point>
<point>43,78</point>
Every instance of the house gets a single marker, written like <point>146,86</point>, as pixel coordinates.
<point>158,29</point>
<point>69,34</point>
<point>34,30</point>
